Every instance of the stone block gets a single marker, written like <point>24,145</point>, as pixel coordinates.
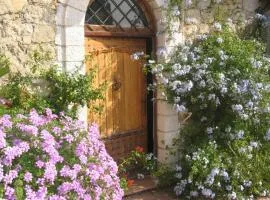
<point>166,139</point>
<point>43,1</point>
<point>43,33</point>
<point>164,108</point>
<point>164,156</point>
<point>194,14</point>
<point>250,5</point>
<point>204,28</point>
<point>60,36</point>
<point>190,30</point>
<point>80,5</point>
<point>73,66</point>
<point>74,54</point>
<point>167,123</point>
<point>203,4</point>
<point>74,17</point>
<point>26,40</point>
<point>60,14</point>
<point>177,39</point>
<point>12,6</point>
<point>208,16</point>
<point>74,35</point>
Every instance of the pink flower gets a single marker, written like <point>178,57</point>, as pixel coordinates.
<point>28,177</point>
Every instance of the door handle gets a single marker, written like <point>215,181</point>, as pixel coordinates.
<point>116,85</point>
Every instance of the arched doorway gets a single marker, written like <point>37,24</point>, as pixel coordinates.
<point>114,30</point>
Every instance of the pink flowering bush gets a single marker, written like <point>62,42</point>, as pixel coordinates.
<point>53,157</point>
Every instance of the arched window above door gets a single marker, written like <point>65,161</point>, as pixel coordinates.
<point>118,16</point>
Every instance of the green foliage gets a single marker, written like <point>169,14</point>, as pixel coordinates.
<point>124,183</point>
<point>137,162</point>
<point>47,86</point>
<point>4,65</point>
<point>165,175</point>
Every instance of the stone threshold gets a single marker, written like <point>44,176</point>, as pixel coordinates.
<point>140,186</point>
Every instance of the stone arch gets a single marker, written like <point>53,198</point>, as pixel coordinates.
<point>70,30</point>
<point>70,49</point>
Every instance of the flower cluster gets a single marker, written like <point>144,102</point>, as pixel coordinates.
<point>224,82</point>
<point>54,157</point>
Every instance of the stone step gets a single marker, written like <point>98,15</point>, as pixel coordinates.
<point>139,186</point>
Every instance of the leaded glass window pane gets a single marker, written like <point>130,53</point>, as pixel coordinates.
<point>120,13</point>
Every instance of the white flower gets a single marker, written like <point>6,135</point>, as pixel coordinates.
<point>225,175</point>
<point>207,193</point>
<point>176,67</point>
<point>254,144</point>
<point>179,188</point>
<point>241,188</point>
<point>178,175</point>
<point>194,193</point>
<point>217,26</point>
<point>137,55</point>
<point>214,171</point>
<point>157,69</point>
<point>247,183</point>
<point>176,11</point>
<point>228,187</point>
<point>237,107</point>
<point>140,176</point>
<point>220,40</point>
<point>177,100</point>
<point>188,3</point>
<point>240,134</point>
<point>162,52</point>
<point>180,108</point>
<point>151,61</point>
<point>202,37</point>
<point>203,119</point>
<point>202,83</point>
<point>232,195</point>
<point>224,90</point>
<point>261,17</point>
<point>191,20</point>
<point>176,84</point>
<point>228,129</point>
<point>178,168</point>
<point>218,1</point>
<point>267,136</point>
<point>211,97</point>
<point>209,130</point>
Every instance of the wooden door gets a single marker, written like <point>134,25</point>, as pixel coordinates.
<point>123,118</point>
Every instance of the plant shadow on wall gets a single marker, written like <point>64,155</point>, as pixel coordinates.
<point>223,80</point>
<point>45,85</point>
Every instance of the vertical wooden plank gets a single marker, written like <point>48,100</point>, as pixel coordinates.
<point>116,95</point>
<point>109,98</point>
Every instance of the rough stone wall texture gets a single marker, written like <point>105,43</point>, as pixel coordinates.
<point>200,15</point>
<point>24,26</point>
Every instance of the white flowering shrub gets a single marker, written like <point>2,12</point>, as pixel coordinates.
<point>224,82</point>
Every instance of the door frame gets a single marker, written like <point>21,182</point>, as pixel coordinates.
<point>149,34</point>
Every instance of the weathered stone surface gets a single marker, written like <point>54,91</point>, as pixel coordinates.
<point>24,26</point>
<point>8,6</point>
<point>250,5</point>
<point>43,33</point>
<point>203,4</point>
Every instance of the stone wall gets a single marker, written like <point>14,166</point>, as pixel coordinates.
<point>200,15</point>
<point>24,25</point>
